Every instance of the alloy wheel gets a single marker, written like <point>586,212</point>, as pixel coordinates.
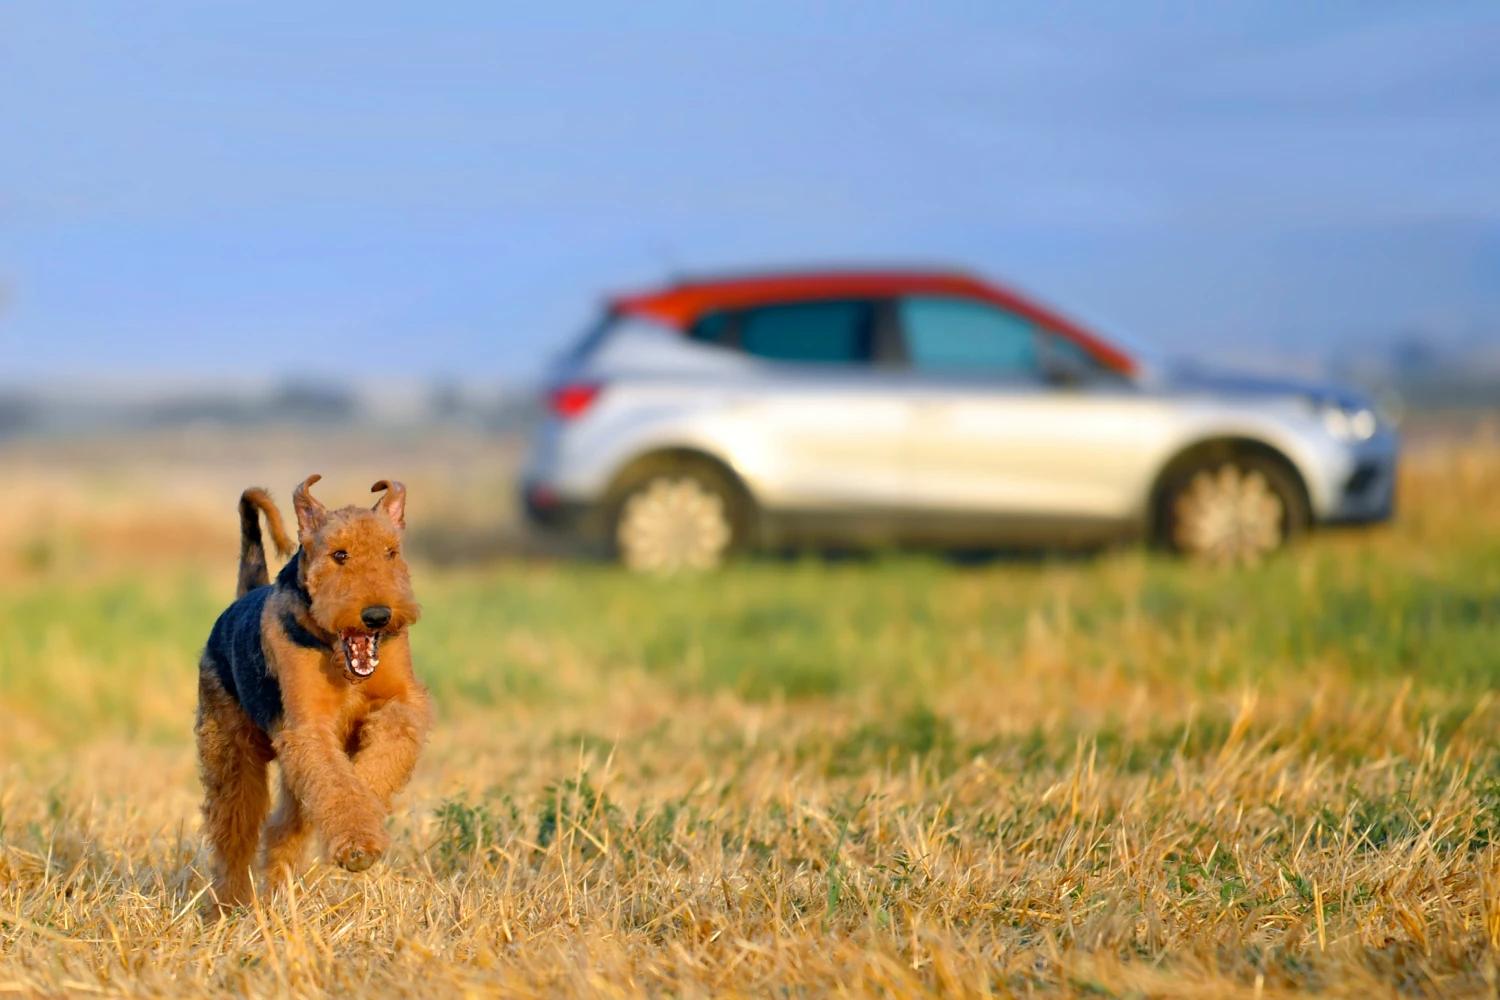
<point>672,524</point>
<point>1229,515</point>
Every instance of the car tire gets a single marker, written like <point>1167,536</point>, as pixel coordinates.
<point>1231,509</point>
<point>673,516</point>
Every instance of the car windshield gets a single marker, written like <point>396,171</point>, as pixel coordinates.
<point>1146,354</point>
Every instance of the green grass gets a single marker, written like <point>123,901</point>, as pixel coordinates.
<point>86,659</point>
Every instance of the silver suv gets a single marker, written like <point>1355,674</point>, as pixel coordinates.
<point>896,408</point>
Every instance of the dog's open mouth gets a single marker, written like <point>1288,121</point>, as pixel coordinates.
<point>361,651</point>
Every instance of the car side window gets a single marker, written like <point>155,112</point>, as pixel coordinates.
<point>830,332</point>
<point>711,328</point>
<point>961,335</point>
<point>1060,355</point>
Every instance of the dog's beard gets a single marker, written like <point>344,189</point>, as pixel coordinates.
<point>361,651</point>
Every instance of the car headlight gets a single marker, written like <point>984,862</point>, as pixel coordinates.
<point>1350,423</point>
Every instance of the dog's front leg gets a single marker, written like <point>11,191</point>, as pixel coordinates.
<point>349,816</point>
<point>311,749</point>
<point>390,738</point>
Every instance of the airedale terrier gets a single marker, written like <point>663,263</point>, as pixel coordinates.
<point>313,671</point>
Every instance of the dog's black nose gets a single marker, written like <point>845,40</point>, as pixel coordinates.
<point>376,616</point>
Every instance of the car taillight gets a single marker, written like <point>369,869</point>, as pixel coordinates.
<point>573,399</point>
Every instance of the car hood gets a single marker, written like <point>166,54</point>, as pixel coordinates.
<point>1187,379</point>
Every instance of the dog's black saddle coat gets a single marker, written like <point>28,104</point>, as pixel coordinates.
<point>238,654</point>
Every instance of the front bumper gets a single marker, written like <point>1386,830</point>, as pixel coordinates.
<point>1366,489</point>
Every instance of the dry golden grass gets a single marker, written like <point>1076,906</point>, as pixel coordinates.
<point>1115,776</point>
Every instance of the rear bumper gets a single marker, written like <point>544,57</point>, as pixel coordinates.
<point>546,510</point>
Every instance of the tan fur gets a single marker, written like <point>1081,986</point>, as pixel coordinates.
<point>254,503</point>
<point>345,746</point>
<point>233,755</point>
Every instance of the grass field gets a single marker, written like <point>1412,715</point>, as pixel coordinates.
<point>1118,776</point>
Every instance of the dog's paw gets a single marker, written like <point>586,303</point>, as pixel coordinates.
<point>358,850</point>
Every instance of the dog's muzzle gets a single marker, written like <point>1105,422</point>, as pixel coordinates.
<point>361,651</point>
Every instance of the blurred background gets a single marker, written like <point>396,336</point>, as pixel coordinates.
<point>247,241</point>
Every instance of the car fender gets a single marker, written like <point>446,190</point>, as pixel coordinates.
<point>1290,429</point>
<point>635,420</point>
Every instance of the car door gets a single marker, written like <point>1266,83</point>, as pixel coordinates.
<point>817,427</point>
<point>993,435</point>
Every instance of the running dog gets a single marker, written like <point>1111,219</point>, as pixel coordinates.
<point>314,672</point>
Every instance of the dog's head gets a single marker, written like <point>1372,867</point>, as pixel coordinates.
<point>353,570</point>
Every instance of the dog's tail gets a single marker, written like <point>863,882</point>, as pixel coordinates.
<point>253,573</point>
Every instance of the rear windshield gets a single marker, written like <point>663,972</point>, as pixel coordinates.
<point>608,326</point>
<point>592,337</point>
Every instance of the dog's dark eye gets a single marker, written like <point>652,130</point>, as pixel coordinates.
<point>340,556</point>
<point>390,553</point>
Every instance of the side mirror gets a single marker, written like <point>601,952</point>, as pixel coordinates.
<point>1064,363</point>
<point>1063,369</point>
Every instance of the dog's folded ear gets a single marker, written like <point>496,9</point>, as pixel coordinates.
<point>311,514</point>
<point>394,501</point>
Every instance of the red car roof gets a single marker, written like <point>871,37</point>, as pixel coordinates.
<point>681,305</point>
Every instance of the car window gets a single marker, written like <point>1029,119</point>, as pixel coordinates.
<point>711,328</point>
<point>817,332</point>
<point>612,326</point>
<point>1058,353</point>
<point>592,337</point>
<point>960,335</point>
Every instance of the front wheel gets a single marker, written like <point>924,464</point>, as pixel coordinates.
<point>1233,510</point>
<point>676,520</point>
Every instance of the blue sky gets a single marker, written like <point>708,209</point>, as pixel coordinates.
<point>322,189</point>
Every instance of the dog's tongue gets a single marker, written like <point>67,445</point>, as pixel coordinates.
<point>360,651</point>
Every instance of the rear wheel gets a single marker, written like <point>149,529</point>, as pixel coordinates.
<point>1236,509</point>
<point>675,517</point>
